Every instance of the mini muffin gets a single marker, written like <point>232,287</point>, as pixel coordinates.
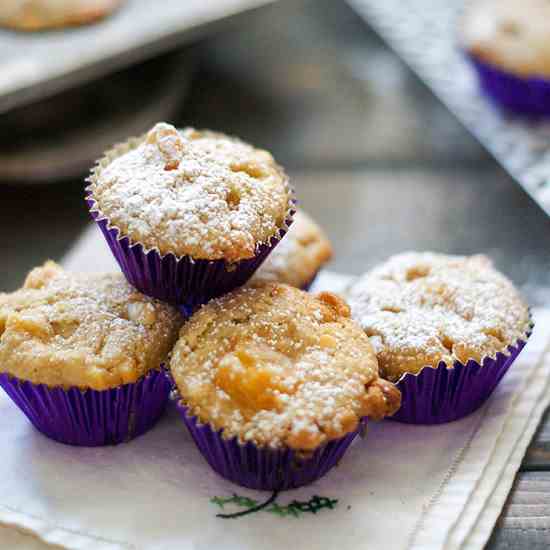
<point>35,15</point>
<point>444,328</point>
<point>299,257</point>
<point>81,355</point>
<point>275,383</point>
<point>189,214</point>
<point>507,42</point>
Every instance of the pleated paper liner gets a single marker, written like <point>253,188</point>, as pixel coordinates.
<point>307,286</point>
<point>180,280</point>
<point>528,96</point>
<point>263,469</point>
<point>443,394</point>
<point>89,417</point>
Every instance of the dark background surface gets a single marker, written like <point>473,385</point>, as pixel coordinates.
<point>375,159</point>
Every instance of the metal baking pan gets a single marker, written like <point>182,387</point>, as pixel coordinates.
<point>36,65</point>
<point>424,33</point>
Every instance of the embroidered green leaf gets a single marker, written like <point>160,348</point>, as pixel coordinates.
<point>234,499</point>
<point>295,508</point>
<point>244,501</point>
<point>220,501</point>
<point>282,511</point>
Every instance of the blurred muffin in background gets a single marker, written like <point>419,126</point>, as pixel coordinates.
<point>299,257</point>
<point>34,15</point>
<point>507,42</point>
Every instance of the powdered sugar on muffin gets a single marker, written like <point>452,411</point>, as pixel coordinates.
<point>299,256</point>
<point>422,308</point>
<point>279,367</point>
<point>195,193</point>
<point>86,330</point>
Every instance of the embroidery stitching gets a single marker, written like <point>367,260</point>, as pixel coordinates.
<point>294,508</point>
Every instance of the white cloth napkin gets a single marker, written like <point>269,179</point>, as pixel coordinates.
<point>402,487</point>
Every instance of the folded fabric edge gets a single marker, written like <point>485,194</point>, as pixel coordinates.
<point>53,534</point>
<point>481,531</point>
<point>531,396</point>
<point>449,489</point>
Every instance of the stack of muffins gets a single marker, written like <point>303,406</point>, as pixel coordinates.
<point>272,383</point>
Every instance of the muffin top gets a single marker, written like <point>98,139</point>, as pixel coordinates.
<point>277,366</point>
<point>86,330</point>
<point>43,14</point>
<point>299,256</point>
<point>422,308</point>
<point>509,34</point>
<point>195,193</point>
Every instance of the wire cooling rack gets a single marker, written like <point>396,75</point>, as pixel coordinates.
<point>424,34</point>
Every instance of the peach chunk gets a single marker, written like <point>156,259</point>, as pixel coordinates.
<point>251,377</point>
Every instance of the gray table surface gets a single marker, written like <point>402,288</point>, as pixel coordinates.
<point>375,158</point>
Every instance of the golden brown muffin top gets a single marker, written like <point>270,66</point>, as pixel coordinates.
<point>32,15</point>
<point>277,366</point>
<point>422,308</point>
<point>86,330</point>
<point>509,34</point>
<point>196,193</point>
<point>299,256</point>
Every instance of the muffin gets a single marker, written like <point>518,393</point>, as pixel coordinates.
<point>274,384</point>
<point>445,329</point>
<point>35,15</point>
<point>81,355</point>
<point>507,42</point>
<point>299,257</point>
<point>189,215</point>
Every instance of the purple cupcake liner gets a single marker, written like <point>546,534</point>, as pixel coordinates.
<point>307,286</point>
<point>528,96</point>
<point>442,394</point>
<point>179,280</point>
<point>259,468</point>
<point>91,418</point>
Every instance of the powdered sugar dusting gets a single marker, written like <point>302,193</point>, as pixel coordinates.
<point>421,308</point>
<point>193,193</point>
<point>299,256</point>
<point>85,330</point>
<point>277,366</point>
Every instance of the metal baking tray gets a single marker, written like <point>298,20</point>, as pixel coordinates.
<point>36,65</point>
<point>424,34</point>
